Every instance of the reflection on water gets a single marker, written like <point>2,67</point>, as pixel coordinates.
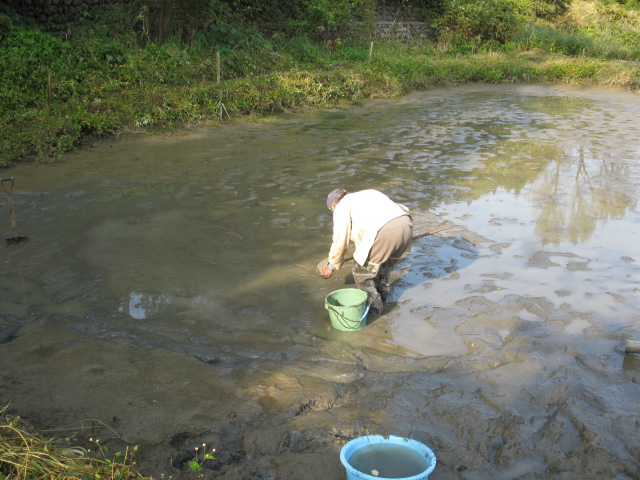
<point>202,247</point>
<point>577,194</point>
<point>215,222</point>
<point>141,306</point>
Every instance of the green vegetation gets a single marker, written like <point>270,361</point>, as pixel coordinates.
<point>201,456</point>
<point>153,64</point>
<point>26,455</point>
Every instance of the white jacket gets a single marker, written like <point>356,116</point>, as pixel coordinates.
<point>358,217</point>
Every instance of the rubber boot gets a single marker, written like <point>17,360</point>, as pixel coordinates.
<point>365,280</point>
<point>383,279</point>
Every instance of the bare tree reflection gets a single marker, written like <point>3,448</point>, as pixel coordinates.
<point>574,194</point>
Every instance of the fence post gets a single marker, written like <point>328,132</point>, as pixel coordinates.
<point>218,66</point>
<point>371,51</point>
<point>49,90</point>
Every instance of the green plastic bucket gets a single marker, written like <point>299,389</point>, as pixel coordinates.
<point>387,457</point>
<point>347,309</point>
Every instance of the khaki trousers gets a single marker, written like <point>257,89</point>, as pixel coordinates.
<point>392,241</point>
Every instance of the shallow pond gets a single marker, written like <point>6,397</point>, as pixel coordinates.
<point>167,295</point>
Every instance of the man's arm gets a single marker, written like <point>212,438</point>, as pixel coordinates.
<point>340,243</point>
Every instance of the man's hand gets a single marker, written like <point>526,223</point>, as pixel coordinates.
<point>326,272</point>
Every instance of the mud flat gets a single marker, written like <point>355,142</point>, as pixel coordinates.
<point>167,296</point>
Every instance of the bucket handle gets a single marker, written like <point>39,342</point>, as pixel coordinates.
<point>343,320</point>
<point>364,314</point>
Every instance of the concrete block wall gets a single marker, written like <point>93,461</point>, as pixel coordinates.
<point>385,31</point>
<point>403,32</point>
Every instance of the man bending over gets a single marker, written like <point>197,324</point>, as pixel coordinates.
<point>381,231</point>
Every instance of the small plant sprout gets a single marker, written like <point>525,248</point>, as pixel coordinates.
<point>201,455</point>
<point>118,467</point>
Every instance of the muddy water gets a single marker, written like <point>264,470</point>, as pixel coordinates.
<point>167,295</point>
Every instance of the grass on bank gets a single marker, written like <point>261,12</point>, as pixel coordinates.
<point>57,90</point>
<point>26,455</point>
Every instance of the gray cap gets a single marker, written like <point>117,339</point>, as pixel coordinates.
<point>332,196</point>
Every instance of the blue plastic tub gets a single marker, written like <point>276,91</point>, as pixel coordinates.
<point>389,448</point>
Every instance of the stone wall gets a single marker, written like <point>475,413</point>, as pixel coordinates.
<point>397,32</point>
<point>403,32</point>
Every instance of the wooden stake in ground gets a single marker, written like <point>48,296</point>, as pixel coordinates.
<point>218,66</point>
<point>7,185</point>
<point>49,90</point>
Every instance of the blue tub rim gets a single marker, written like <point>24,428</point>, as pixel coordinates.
<point>372,439</point>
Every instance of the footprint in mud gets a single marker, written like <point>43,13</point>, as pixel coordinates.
<point>543,259</point>
<point>8,333</point>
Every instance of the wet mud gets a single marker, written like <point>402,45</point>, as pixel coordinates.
<point>168,299</point>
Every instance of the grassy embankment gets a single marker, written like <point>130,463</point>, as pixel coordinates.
<point>103,80</point>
